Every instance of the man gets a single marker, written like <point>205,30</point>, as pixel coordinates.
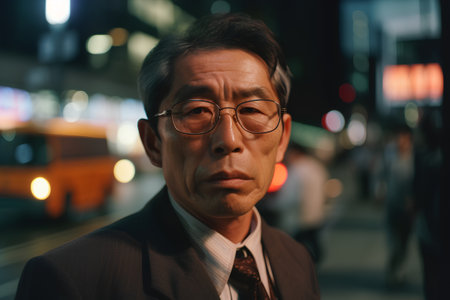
<point>215,101</point>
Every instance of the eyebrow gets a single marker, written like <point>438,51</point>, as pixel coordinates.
<point>258,92</point>
<point>190,91</point>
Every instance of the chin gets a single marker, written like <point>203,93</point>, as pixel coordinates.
<point>234,206</point>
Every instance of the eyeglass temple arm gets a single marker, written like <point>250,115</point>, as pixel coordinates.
<point>163,114</point>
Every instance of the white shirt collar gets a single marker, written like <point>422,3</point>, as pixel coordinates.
<point>217,252</point>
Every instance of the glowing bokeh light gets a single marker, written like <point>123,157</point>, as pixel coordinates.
<point>124,171</point>
<point>435,80</point>
<point>413,82</point>
<point>99,44</point>
<point>57,11</point>
<point>40,188</point>
<point>127,137</point>
<point>347,93</point>
<point>411,113</point>
<point>72,112</point>
<point>119,36</point>
<point>15,105</point>
<point>139,44</point>
<point>279,178</point>
<point>23,153</point>
<point>357,132</point>
<point>333,121</point>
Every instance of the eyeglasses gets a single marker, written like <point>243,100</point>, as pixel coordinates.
<point>201,116</point>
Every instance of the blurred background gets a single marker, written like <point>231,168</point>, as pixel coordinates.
<point>363,184</point>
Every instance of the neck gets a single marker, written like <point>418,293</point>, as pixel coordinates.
<point>235,229</point>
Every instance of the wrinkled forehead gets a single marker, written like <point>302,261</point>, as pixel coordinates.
<point>220,73</point>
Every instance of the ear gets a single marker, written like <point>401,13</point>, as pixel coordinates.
<point>151,142</point>
<point>285,136</point>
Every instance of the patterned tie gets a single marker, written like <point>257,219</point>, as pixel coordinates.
<point>245,277</point>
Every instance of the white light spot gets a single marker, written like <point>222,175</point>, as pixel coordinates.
<point>57,11</point>
<point>99,44</point>
<point>124,171</point>
<point>334,121</point>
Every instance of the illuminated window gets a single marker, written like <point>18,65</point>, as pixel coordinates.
<point>413,82</point>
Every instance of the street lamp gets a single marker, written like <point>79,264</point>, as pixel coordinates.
<point>58,45</point>
<point>57,12</point>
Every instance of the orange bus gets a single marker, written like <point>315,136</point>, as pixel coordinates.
<point>57,168</point>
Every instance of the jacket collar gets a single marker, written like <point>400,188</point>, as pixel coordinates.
<point>171,266</point>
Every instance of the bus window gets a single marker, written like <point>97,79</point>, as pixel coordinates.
<point>23,149</point>
<point>76,147</point>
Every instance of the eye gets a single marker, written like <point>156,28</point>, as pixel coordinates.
<point>195,109</point>
<point>247,110</point>
<point>198,111</point>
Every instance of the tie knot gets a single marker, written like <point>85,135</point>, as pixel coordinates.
<point>245,265</point>
<point>245,277</point>
<point>242,252</point>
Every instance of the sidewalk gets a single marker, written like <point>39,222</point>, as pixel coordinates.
<point>355,254</point>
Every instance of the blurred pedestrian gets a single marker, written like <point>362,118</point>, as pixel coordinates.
<point>399,172</point>
<point>298,208</point>
<point>427,192</point>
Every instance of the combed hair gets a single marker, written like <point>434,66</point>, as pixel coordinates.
<point>228,31</point>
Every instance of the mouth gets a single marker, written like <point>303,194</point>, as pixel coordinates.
<point>228,176</point>
<point>231,180</point>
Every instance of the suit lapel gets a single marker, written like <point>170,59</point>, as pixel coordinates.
<point>171,266</point>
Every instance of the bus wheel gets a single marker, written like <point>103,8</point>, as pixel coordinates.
<point>104,207</point>
<point>69,212</point>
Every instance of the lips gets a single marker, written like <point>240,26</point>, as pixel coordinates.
<point>223,176</point>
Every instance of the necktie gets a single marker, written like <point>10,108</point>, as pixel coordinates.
<point>245,277</point>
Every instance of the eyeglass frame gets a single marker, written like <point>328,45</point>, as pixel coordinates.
<point>168,112</point>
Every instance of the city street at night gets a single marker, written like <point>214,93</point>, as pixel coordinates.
<point>329,117</point>
<point>354,244</point>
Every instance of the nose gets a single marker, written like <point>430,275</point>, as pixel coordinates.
<point>226,137</point>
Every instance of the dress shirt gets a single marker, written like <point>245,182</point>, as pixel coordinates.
<point>218,253</point>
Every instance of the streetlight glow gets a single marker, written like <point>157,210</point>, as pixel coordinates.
<point>57,11</point>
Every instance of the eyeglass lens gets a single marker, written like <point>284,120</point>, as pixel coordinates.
<point>200,116</point>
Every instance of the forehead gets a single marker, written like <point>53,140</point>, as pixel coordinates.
<point>221,73</point>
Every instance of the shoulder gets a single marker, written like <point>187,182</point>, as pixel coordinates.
<point>77,268</point>
<point>110,242</point>
<point>292,265</point>
<point>41,278</point>
<point>102,258</point>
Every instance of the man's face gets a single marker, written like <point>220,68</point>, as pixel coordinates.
<point>225,172</point>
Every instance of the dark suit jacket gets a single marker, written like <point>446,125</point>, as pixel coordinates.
<point>148,255</point>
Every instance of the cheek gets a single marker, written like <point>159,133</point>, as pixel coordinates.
<point>265,162</point>
<point>181,159</point>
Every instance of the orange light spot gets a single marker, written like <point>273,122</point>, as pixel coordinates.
<point>436,80</point>
<point>279,177</point>
<point>413,82</point>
